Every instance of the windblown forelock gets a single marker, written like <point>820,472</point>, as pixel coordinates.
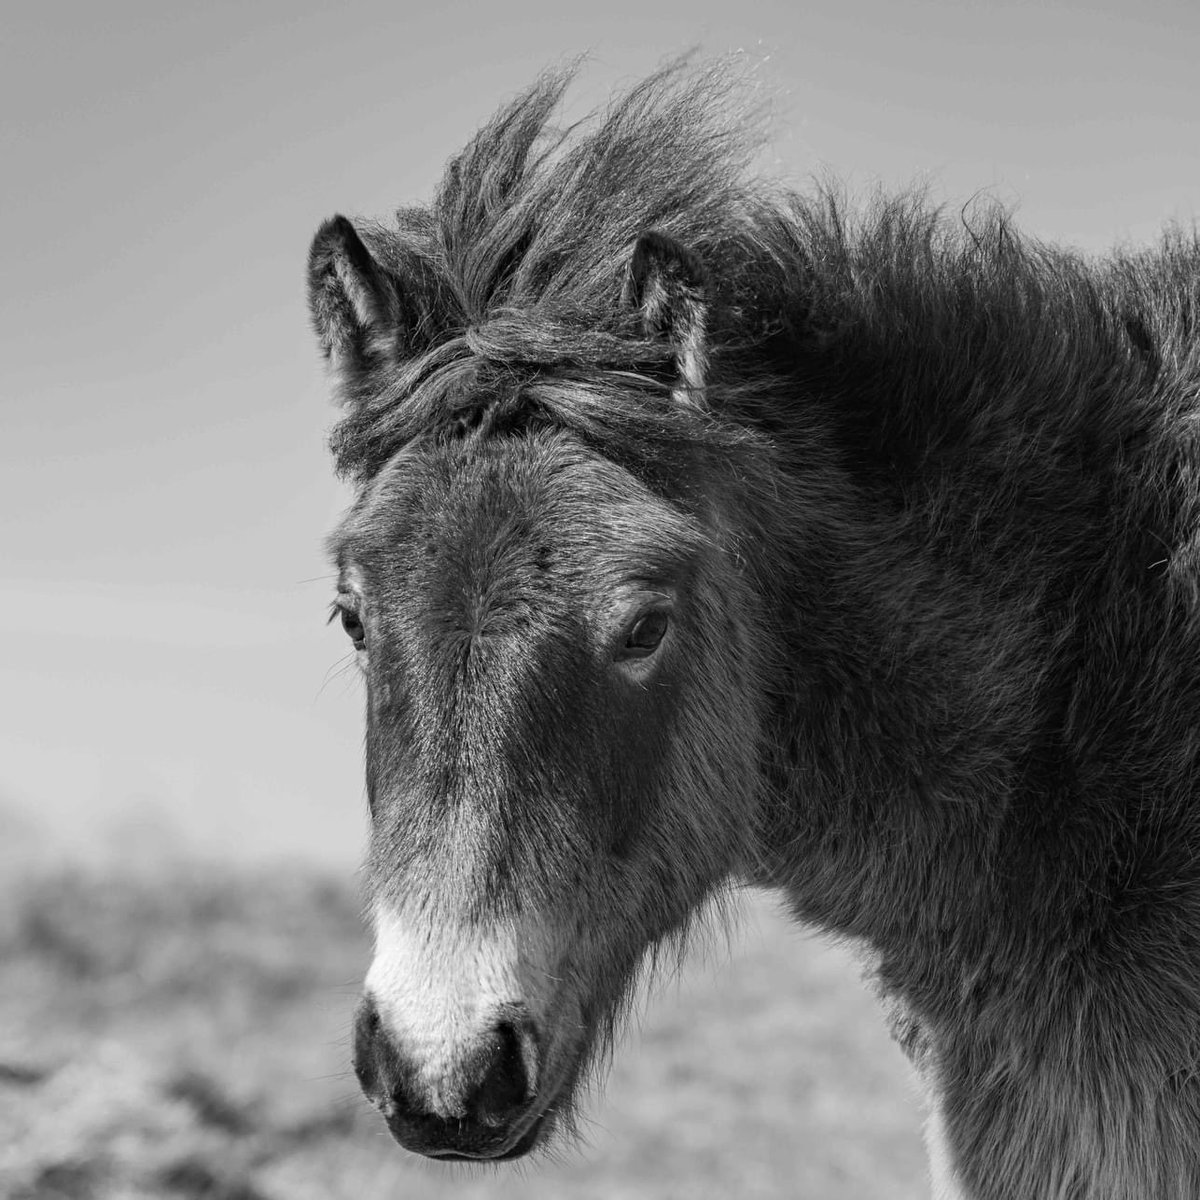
<point>529,214</point>
<point>499,371</point>
<point>520,264</point>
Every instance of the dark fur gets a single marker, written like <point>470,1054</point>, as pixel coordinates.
<point>951,484</point>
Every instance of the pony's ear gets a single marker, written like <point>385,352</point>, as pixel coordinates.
<point>668,286</point>
<point>356,305</point>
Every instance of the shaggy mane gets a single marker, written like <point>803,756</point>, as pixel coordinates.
<point>516,274</point>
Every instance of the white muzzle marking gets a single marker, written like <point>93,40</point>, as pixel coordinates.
<point>439,988</point>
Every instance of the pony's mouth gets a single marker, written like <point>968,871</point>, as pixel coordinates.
<point>533,1129</point>
<point>522,1146</point>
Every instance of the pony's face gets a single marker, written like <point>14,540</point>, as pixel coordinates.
<point>562,696</point>
<point>561,759</point>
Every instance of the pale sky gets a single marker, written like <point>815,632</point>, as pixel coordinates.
<point>164,489</point>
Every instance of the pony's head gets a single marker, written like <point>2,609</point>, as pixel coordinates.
<point>555,630</point>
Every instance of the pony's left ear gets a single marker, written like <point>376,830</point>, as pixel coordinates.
<point>355,302</point>
<point>668,286</point>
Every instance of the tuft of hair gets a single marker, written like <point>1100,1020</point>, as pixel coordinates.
<point>520,262</point>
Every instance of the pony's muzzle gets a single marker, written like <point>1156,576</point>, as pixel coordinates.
<point>484,1109</point>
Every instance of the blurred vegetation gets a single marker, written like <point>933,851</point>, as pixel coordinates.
<point>182,1031</point>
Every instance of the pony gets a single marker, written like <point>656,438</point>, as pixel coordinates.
<point>707,535</point>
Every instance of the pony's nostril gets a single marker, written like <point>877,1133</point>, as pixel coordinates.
<point>377,1063</point>
<point>505,1084</point>
<point>366,1022</point>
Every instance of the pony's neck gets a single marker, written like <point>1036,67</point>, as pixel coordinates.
<point>899,711</point>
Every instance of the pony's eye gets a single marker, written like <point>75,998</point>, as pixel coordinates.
<point>352,624</point>
<point>648,630</point>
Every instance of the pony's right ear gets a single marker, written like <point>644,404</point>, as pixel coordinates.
<point>356,306</point>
